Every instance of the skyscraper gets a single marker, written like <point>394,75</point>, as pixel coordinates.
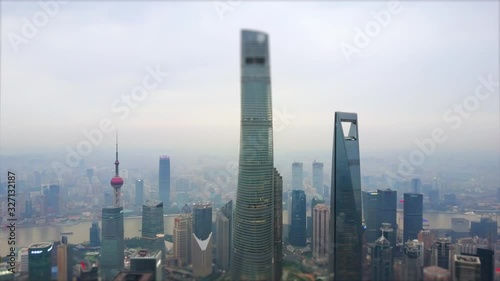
<point>297,236</point>
<point>321,221</point>
<point>413,251</point>
<point>370,215</point>
<point>381,259</point>
<point>95,234</point>
<point>253,227</point>
<point>64,256</point>
<point>317,199</point>
<point>387,201</point>
<point>278,225</point>
<point>485,228</point>
<point>201,240</point>
<point>318,177</point>
<point>139,192</point>
<point>413,216</point>
<point>442,253</point>
<point>415,185</point>
<point>297,176</point>
<point>147,261</point>
<point>223,226</point>
<point>164,181</point>
<point>345,220</point>
<point>152,225</point>
<point>113,245</point>
<point>182,238</point>
<point>54,199</point>
<point>467,268</point>
<point>39,261</point>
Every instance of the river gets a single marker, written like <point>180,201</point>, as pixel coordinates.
<point>26,236</point>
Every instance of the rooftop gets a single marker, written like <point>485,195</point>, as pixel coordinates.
<point>41,245</point>
<point>145,254</point>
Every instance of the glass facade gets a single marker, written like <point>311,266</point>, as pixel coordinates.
<point>40,261</point>
<point>139,192</point>
<point>253,215</point>
<point>202,220</point>
<point>152,225</point>
<point>370,212</point>
<point>346,237</point>
<point>95,234</point>
<point>413,216</point>
<point>297,236</point>
<point>317,182</point>
<point>278,225</point>
<point>164,180</point>
<point>387,201</point>
<point>112,245</point>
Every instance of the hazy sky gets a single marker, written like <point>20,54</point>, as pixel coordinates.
<point>72,72</point>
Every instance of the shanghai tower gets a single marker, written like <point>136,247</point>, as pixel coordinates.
<point>346,200</point>
<point>253,215</point>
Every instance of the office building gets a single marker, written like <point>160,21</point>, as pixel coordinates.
<point>436,273</point>
<point>278,225</point>
<point>415,186</point>
<point>201,240</point>
<point>467,268</point>
<point>321,233</point>
<point>345,217</point>
<point>413,216</point>
<point>442,253</point>
<point>182,238</point>
<point>370,215</point>
<point>427,237</point>
<point>297,176</point>
<point>40,261</point>
<point>95,234</point>
<point>386,212</point>
<point>478,247</point>
<point>144,261</point>
<point>112,244</point>
<point>139,192</point>
<point>164,181</point>
<point>64,260</point>
<point>413,260</point>
<point>254,211</point>
<point>297,236</point>
<point>381,259</point>
<point>460,228</point>
<point>485,228</point>
<point>223,230</point>
<point>54,199</point>
<point>317,199</point>
<point>153,226</point>
<point>317,182</point>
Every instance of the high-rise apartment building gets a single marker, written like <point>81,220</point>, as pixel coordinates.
<point>413,216</point>
<point>164,181</point>
<point>253,228</point>
<point>345,218</point>
<point>442,253</point>
<point>321,231</point>
<point>317,168</point>
<point>182,238</point>
<point>297,176</point>
<point>153,225</point>
<point>427,237</point>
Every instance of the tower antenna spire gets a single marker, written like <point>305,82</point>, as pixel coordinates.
<point>117,181</point>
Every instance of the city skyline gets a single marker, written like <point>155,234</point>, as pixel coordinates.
<point>182,125</point>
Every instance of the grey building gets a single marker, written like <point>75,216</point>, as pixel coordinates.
<point>317,180</point>
<point>297,176</point>
<point>112,244</point>
<point>223,243</point>
<point>345,217</point>
<point>153,225</point>
<point>164,181</point>
<point>253,228</point>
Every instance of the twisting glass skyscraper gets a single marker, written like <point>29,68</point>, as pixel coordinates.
<point>346,200</point>
<point>253,214</point>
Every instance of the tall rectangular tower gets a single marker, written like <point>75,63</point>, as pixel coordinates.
<point>139,192</point>
<point>153,225</point>
<point>223,243</point>
<point>413,216</point>
<point>321,221</point>
<point>164,181</point>
<point>278,225</point>
<point>318,177</point>
<point>297,235</point>
<point>112,244</point>
<point>297,176</point>
<point>253,227</point>
<point>345,220</point>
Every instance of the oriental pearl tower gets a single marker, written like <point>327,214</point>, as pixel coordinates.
<point>117,181</point>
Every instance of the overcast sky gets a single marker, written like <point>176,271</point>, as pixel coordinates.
<point>73,71</point>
